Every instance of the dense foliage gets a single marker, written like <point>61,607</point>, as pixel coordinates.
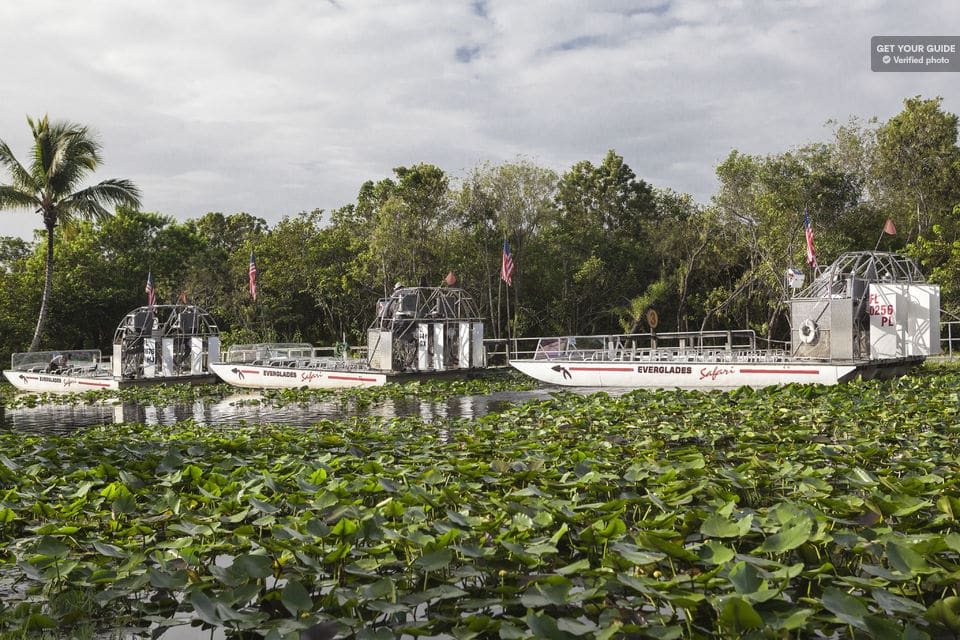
<point>595,247</point>
<point>799,511</point>
<point>52,184</point>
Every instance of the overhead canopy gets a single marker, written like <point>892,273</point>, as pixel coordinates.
<point>871,266</point>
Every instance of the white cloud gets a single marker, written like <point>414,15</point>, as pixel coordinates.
<point>274,108</point>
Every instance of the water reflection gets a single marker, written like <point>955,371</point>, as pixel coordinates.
<point>252,409</point>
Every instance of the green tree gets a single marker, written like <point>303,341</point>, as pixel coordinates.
<point>940,260</point>
<point>513,201</point>
<point>409,219</point>
<point>63,154</point>
<point>763,200</point>
<point>602,240</point>
<point>16,294</point>
<point>102,267</point>
<point>290,260</point>
<point>916,168</point>
<point>686,243</point>
<point>13,249</point>
<point>337,288</point>
<point>215,276</point>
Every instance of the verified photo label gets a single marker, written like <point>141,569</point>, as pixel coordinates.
<point>915,53</point>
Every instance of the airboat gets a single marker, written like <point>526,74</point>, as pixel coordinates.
<point>152,345</point>
<point>868,315</point>
<point>417,333</point>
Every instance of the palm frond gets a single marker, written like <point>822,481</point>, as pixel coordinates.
<point>63,153</point>
<point>19,175</point>
<point>92,201</point>
<point>13,198</point>
<point>633,313</point>
<point>77,155</point>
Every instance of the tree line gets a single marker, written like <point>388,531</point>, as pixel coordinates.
<point>595,247</point>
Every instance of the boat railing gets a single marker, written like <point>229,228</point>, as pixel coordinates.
<point>497,351</point>
<point>101,367</point>
<point>40,360</point>
<point>950,339</point>
<point>655,347</point>
<point>296,354</point>
<point>263,352</point>
<point>72,362</point>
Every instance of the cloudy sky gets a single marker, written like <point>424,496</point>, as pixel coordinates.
<point>281,106</point>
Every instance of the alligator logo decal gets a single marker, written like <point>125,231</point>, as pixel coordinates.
<point>563,370</point>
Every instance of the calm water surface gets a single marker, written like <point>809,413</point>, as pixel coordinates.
<point>251,409</point>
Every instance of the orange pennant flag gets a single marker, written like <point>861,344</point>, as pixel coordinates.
<point>889,229</point>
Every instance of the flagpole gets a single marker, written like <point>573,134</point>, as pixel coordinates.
<point>888,229</point>
<point>499,305</point>
<point>263,319</point>
<point>507,288</point>
<point>808,231</point>
<point>508,315</point>
<point>506,274</point>
<point>253,277</point>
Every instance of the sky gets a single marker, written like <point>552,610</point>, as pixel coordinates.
<point>282,106</point>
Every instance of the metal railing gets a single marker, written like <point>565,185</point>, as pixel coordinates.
<point>500,350</point>
<point>950,339</point>
<point>623,347</point>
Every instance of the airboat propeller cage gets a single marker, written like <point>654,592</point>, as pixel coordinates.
<point>867,305</point>
<point>165,341</point>
<point>426,329</point>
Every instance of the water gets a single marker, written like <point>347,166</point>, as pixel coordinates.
<point>251,409</point>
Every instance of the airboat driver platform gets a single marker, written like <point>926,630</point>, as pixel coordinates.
<point>869,315</point>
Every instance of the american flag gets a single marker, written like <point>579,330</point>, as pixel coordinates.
<point>811,256</point>
<point>506,269</point>
<point>151,292</point>
<point>253,276</point>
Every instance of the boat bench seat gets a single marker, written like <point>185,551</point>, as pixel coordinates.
<point>83,370</point>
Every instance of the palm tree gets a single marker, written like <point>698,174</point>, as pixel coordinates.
<point>63,154</point>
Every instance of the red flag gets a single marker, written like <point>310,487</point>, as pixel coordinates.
<point>183,298</point>
<point>151,292</point>
<point>889,228</point>
<point>253,276</point>
<point>506,269</point>
<point>451,279</point>
<point>811,256</point>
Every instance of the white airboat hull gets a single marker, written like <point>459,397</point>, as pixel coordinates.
<point>251,376</point>
<point>55,383</point>
<point>690,375</point>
